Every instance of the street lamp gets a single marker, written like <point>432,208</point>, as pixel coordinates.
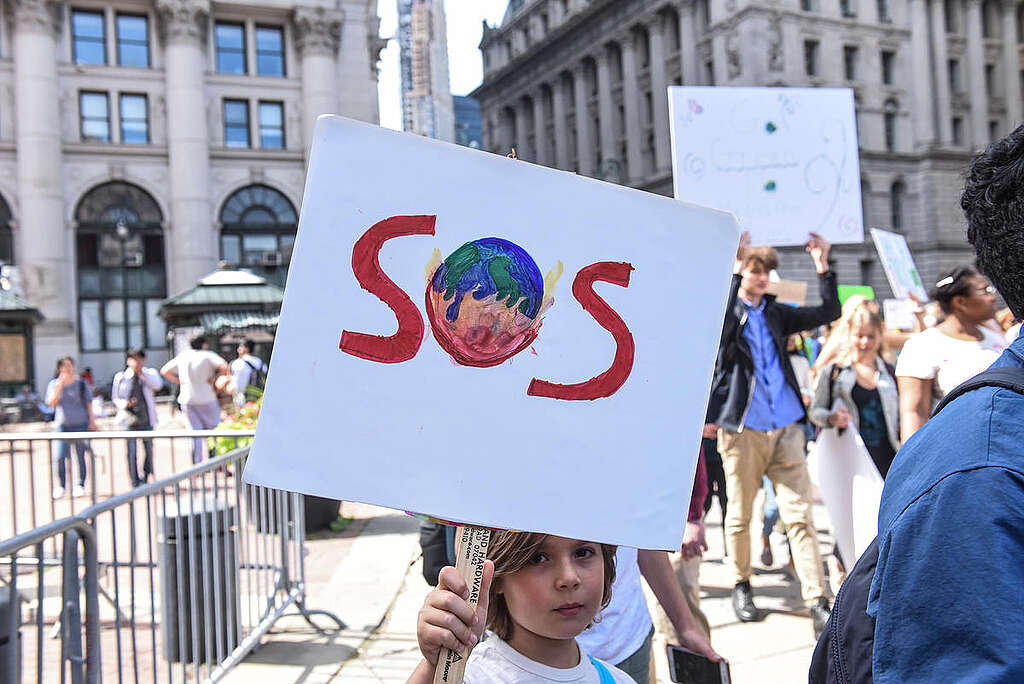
<point>122,232</point>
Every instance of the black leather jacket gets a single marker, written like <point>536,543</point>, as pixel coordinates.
<point>733,384</point>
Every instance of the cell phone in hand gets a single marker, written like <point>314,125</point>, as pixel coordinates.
<point>689,667</point>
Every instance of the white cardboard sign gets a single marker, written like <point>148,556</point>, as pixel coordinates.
<point>899,266</point>
<point>783,160</point>
<point>481,440</point>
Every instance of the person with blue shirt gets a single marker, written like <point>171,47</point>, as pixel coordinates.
<point>946,594</point>
<point>759,415</point>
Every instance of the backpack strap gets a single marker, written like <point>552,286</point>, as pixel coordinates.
<point>603,674</point>
<point>1007,377</point>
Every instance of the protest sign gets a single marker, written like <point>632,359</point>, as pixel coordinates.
<point>900,269</point>
<point>899,314</point>
<point>788,291</point>
<point>847,291</point>
<point>852,489</point>
<point>586,427</point>
<point>783,160</point>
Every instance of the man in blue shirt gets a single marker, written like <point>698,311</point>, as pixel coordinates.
<point>759,408</point>
<point>948,591</point>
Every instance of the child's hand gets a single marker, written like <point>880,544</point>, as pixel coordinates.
<point>447,620</point>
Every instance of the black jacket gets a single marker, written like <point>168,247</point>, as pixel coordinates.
<point>733,384</point>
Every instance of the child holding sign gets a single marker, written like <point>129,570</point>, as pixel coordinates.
<point>546,590</point>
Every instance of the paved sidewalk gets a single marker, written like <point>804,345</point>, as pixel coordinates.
<point>371,578</point>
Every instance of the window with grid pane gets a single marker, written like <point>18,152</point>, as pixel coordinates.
<point>236,123</point>
<point>230,46</point>
<point>272,125</point>
<point>134,119</point>
<point>88,38</point>
<point>269,51</point>
<point>132,41</point>
<point>95,117</point>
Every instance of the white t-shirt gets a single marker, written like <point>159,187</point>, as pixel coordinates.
<point>495,662</point>
<point>196,367</point>
<point>242,368</point>
<point>625,622</point>
<point>932,354</point>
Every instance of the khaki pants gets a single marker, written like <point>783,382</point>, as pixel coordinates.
<point>779,454</point>
<point>688,575</point>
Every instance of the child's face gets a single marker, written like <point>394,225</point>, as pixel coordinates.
<point>558,594</point>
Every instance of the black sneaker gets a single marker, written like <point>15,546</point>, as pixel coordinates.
<point>820,613</point>
<point>743,603</point>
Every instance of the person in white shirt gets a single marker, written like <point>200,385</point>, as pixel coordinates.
<point>244,370</point>
<point>936,360</point>
<point>132,394</point>
<point>197,370</point>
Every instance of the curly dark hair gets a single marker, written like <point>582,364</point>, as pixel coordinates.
<point>993,202</point>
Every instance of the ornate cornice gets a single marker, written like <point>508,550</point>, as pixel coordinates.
<point>183,20</point>
<point>317,30</point>
<point>37,15</point>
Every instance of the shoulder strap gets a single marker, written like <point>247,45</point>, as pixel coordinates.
<point>1007,377</point>
<point>603,673</point>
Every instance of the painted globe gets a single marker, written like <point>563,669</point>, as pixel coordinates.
<point>484,302</point>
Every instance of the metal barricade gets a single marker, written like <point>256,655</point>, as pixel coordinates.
<point>179,580</point>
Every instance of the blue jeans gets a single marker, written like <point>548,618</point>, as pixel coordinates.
<point>64,450</point>
<point>771,507</point>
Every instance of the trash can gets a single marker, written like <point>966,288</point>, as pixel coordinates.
<point>205,536</point>
<point>10,644</point>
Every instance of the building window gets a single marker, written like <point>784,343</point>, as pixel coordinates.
<point>258,231</point>
<point>705,13</point>
<point>990,79</point>
<point>807,5</point>
<point>95,117</point>
<point>958,130</point>
<point>952,13</point>
<point>888,64</point>
<point>132,41</point>
<point>993,129</point>
<point>954,76</point>
<point>269,51</point>
<point>272,125</point>
<point>6,238</point>
<point>988,19</point>
<point>236,123</point>
<point>884,17</point>
<point>230,46</point>
<point>811,57</point>
<point>120,269</point>
<point>709,72</point>
<point>847,8</point>
<point>850,62</point>
<point>88,37</point>
<point>134,119</point>
<point>897,197</point>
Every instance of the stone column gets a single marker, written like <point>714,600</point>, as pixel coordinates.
<point>976,75</point>
<point>584,134</point>
<point>317,32</point>
<point>521,137</point>
<point>191,238</point>
<point>631,105</point>
<point>943,108</point>
<point>558,111</point>
<point>507,139</point>
<point>604,108</point>
<point>659,96</point>
<point>540,130</point>
<point>44,247</point>
<point>921,75</point>
<point>688,43</point>
<point>1011,65</point>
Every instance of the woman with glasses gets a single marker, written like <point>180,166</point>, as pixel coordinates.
<point>936,360</point>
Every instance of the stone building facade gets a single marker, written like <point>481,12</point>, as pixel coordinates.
<point>142,142</point>
<point>581,85</point>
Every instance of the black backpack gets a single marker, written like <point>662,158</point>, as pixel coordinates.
<point>844,651</point>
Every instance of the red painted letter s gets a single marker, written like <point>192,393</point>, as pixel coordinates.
<point>609,382</point>
<point>404,344</point>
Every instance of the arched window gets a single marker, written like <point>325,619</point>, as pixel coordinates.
<point>121,270</point>
<point>6,238</point>
<point>258,231</point>
<point>897,202</point>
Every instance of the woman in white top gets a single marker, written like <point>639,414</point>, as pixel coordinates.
<point>936,360</point>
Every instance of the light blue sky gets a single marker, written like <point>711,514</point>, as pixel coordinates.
<point>464,63</point>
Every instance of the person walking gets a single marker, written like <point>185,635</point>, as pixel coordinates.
<point>936,360</point>
<point>132,393</point>
<point>759,432</point>
<point>246,370</point>
<point>197,370</point>
<point>68,394</point>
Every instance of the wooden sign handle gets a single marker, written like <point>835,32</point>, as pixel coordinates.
<point>470,551</point>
